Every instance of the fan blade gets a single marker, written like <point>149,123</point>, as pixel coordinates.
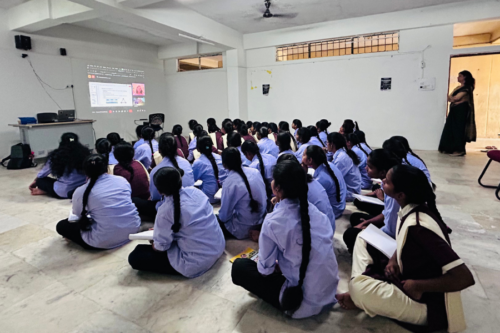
<point>287,16</point>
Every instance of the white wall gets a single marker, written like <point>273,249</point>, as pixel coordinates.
<point>195,95</point>
<point>23,95</point>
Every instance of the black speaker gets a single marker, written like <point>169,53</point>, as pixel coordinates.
<point>46,117</point>
<point>23,42</point>
<point>63,52</point>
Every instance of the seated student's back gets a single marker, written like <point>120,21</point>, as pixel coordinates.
<point>133,171</point>
<point>144,153</point>
<point>266,145</point>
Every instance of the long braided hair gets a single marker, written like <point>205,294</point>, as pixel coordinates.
<point>168,181</point>
<point>124,154</point>
<point>338,140</point>
<point>148,134</point>
<point>177,131</point>
<point>231,159</point>
<point>283,141</point>
<point>167,146</point>
<point>304,135</point>
<point>94,166</point>
<point>362,138</point>
<point>204,145</point>
<point>354,140</point>
<point>314,132</point>
<point>103,147</point>
<point>396,148</point>
<point>319,157</point>
<point>115,138</point>
<point>252,148</point>
<point>291,179</point>
<point>284,127</point>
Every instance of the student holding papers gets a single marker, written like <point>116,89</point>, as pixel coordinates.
<point>378,164</point>
<point>420,284</point>
<point>187,239</point>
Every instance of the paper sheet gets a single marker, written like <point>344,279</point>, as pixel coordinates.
<point>379,240</point>
<point>218,195</point>
<point>145,235</point>
<point>198,183</point>
<point>372,200</point>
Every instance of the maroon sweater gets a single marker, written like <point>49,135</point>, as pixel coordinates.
<point>140,182</point>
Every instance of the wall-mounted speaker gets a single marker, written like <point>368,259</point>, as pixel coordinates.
<point>63,52</point>
<point>23,42</point>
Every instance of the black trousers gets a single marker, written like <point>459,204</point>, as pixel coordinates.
<point>227,234</point>
<point>370,208</point>
<point>145,258</point>
<point>245,274</point>
<point>145,207</point>
<point>71,231</point>
<point>351,233</point>
<point>46,184</point>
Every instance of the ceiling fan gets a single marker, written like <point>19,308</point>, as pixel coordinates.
<point>267,12</point>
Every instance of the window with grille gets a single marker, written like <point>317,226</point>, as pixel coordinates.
<point>380,42</point>
<point>211,61</point>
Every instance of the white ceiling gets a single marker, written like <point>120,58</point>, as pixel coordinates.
<point>5,4</point>
<point>245,16</point>
<point>476,28</point>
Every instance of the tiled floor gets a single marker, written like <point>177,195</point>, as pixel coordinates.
<point>48,285</point>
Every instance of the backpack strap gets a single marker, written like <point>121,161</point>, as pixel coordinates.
<point>5,160</point>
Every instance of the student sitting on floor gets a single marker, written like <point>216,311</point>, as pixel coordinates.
<point>347,162</point>
<point>144,153</point>
<point>235,141</point>
<point>103,147</point>
<point>192,123</point>
<point>114,138</point>
<point>133,171</point>
<point>208,168</point>
<point>379,163</point>
<point>245,135</point>
<point>181,141</point>
<point>65,164</point>
<point>284,127</point>
<point>296,125</point>
<point>354,145</point>
<point>244,198</point>
<point>283,143</point>
<point>298,236</point>
<point>303,137</point>
<point>266,145</point>
<point>329,176</point>
<point>104,205</point>
<point>256,128</point>
<point>192,145</point>
<point>273,131</point>
<point>315,140</point>
<point>322,126</point>
<point>167,146</point>
<point>187,239</point>
<point>420,284</point>
<point>362,141</point>
<point>140,141</point>
<point>227,128</point>
<point>348,127</point>
<point>260,161</point>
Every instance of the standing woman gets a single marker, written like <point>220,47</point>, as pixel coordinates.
<point>244,198</point>
<point>266,145</point>
<point>181,141</point>
<point>460,126</point>
<point>65,163</point>
<point>187,239</point>
<point>104,204</point>
<point>420,285</point>
<point>133,171</point>
<point>353,144</point>
<point>298,236</point>
<point>329,176</point>
<point>347,162</point>
<point>208,168</point>
<point>144,153</point>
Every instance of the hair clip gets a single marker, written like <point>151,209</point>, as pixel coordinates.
<point>71,139</point>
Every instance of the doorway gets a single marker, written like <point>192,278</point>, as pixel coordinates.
<point>486,70</point>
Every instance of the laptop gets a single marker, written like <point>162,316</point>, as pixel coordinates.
<point>65,115</point>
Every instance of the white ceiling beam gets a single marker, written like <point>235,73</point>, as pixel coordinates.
<point>137,3</point>
<point>168,19</point>
<point>37,15</point>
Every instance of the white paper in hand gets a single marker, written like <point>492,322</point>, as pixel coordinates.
<point>198,183</point>
<point>145,235</point>
<point>379,240</point>
<point>72,217</point>
<point>311,171</point>
<point>218,195</point>
<point>371,200</point>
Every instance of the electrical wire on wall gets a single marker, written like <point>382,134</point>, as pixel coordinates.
<point>45,84</point>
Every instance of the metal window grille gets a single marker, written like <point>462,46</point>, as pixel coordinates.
<point>210,61</point>
<point>371,43</point>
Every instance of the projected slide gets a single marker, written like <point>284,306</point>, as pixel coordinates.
<point>116,89</point>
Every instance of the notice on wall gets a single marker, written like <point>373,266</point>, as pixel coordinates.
<point>385,83</point>
<point>265,89</point>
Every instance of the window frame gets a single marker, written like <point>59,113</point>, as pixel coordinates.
<point>199,57</point>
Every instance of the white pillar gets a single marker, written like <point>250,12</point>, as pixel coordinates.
<point>236,84</point>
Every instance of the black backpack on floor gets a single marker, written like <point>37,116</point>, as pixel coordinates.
<point>20,157</point>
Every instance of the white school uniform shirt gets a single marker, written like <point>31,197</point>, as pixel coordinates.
<point>202,169</point>
<point>315,141</point>
<point>144,155</point>
<point>289,151</point>
<point>68,182</point>
<point>269,163</point>
<point>110,206</point>
<point>319,198</point>
<point>268,146</point>
<point>280,240</point>
<point>366,181</point>
<point>187,179</point>
<point>417,163</point>
<point>199,243</point>
<point>235,211</point>
<point>323,177</point>
<point>300,151</point>
<point>141,141</point>
<point>352,176</point>
<point>366,148</point>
